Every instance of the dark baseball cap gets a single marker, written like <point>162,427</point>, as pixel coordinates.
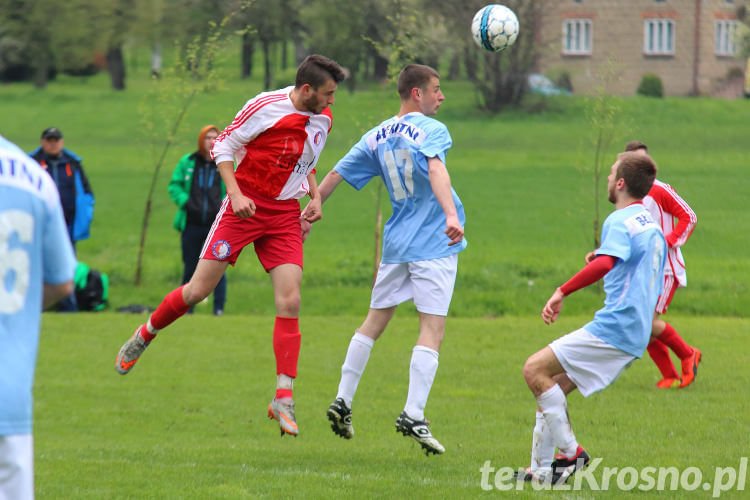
<point>52,133</point>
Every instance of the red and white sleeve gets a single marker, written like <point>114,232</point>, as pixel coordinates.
<point>674,205</point>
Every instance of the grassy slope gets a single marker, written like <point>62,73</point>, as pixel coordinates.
<point>522,177</point>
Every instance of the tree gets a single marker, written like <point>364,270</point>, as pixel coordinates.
<point>499,78</point>
<point>28,28</point>
<point>604,113</point>
<point>169,99</point>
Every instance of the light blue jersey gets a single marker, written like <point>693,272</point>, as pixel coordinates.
<point>634,284</point>
<point>397,150</point>
<point>34,249</point>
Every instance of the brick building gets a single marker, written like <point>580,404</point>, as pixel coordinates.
<point>687,43</point>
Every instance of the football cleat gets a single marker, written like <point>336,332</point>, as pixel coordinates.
<point>690,368</point>
<point>130,352</point>
<point>523,475</point>
<point>564,467</point>
<point>282,410</point>
<point>419,431</point>
<point>668,383</point>
<point>341,419</point>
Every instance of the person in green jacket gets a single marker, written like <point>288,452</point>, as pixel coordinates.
<point>197,189</point>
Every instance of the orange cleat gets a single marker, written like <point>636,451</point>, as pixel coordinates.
<point>668,383</point>
<point>282,410</point>
<point>690,368</point>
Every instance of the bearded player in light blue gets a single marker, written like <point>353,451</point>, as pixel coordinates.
<point>631,262</point>
<point>421,242</point>
<point>36,270</point>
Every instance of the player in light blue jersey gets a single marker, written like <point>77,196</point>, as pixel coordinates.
<point>421,242</point>
<point>631,261</point>
<point>36,270</point>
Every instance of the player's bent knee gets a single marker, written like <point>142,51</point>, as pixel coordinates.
<point>530,371</point>
<point>195,293</point>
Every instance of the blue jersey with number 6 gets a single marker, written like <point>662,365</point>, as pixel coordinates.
<point>397,150</point>
<point>34,249</point>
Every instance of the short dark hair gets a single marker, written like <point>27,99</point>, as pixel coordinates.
<point>639,172</point>
<point>414,76</point>
<point>315,70</point>
<point>635,146</point>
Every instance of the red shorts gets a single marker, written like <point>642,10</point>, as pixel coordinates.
<point>274,229</point>
<point>670,286</point>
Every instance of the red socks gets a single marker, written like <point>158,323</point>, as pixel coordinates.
<point>673,340</point>
<point>659,347</point>
<point>660,354</point>
<point>172,307</point>
<point>286,346</point>
<point>283,393</point>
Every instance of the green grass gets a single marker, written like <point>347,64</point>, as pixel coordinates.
<point>189,420</point>
<point>522,177</point>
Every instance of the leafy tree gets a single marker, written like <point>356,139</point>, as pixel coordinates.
<point>266,22</point>
<point>29,28</point>
<point>499,78</point>
<point>168,100</point>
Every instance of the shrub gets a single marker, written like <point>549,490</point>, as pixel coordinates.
<point>651,86</point>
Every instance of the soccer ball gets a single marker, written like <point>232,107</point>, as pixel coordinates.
<point>494,27</point>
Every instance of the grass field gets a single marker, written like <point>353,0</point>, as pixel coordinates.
<point>190,422</point>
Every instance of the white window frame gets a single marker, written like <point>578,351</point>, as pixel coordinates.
<point>577,36</point>
<point>659,36</point>
<point>724,30</point>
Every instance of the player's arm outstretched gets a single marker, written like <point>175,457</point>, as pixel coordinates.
<point>440,182</point>
<point>324,191</point>
<point>313,210</point>
<point>596,267</point>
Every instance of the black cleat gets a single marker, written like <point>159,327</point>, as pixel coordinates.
<point>341,419</point>
<point>564,467</point>
<point>419,431</point>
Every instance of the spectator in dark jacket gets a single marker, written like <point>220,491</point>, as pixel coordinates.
<point>76,196</point>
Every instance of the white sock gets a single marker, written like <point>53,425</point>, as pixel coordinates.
<point>150,328</point>
<point>553,404</point>
<point>542,445</point>
<point>284,381</point>
<point>424,365</point>
<point>354,365</point>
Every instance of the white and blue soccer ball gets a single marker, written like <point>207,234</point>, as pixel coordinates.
<point>494,27</point>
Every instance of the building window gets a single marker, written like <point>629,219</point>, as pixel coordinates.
<point>724,42</point>
<point>577,35</point>
<point>658,37</point>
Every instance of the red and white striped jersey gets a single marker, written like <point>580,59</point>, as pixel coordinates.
<point>275,145</point>
<point>665,205</point>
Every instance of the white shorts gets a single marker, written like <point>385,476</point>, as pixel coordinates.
<point>429,283</point>
<point>17,466</point>
<point>591,363</point>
